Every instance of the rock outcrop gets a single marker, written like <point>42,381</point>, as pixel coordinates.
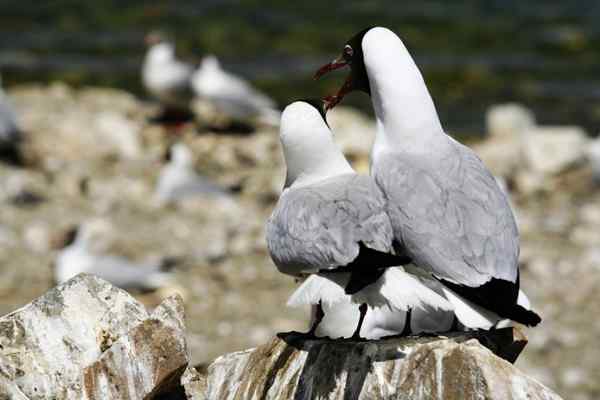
<point>87,339</point>
<point>291,367</point>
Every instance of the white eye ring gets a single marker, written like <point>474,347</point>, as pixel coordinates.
<point>348,51</point>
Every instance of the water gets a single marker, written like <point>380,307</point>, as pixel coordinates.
<point>545,54</point>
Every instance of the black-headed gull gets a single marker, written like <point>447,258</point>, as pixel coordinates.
<point>447,211</point>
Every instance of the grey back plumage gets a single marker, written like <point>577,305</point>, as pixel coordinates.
<point>320,226</point>
<point>449,213</point>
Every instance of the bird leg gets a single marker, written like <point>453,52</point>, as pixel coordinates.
<point>407,330</point>
<point>363,312</point>
<point>455,324</point>
<point>318,318</point>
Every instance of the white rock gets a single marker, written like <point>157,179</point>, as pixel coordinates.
<point>553,149</point>
<point>86,339</point>
<point>291,367</point>
<point>121,132</point>
<point>37,237</point>
<point>508,121</point>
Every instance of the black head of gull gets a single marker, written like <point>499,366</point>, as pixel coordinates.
<point>352,56</point>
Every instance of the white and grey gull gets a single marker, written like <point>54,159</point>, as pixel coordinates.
<point>330,225</point>
<point>446,209</point>
<point>178,180</point>
<point>232,95</point>
<point>165,76</point>
<point>85,253</point>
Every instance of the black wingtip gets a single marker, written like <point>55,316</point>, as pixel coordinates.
<point>525,316</point>
<point>362,278</point>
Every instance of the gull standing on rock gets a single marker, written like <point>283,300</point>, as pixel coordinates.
<point>165,77</point>
<point>10,134</point>
<point>231,95</point>
<point>82,255</point>
<point>446,209</point>
<point>330,224</point>
<point>178,180</point>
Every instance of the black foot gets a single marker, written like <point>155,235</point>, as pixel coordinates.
<point>319,314</point>
<point>363,312</point>
<point>407,331</point>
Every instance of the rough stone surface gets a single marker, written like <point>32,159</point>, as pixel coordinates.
<point>290,367</point>
<point>86,339</point>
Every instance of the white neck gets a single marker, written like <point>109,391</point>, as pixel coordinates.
<point>311,168</point>
<point>406,115</point>
<point>308,147</point>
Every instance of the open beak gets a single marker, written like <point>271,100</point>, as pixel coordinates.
<point>332,101</point>
<point>332,66</point>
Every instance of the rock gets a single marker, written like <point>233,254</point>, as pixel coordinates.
<point>86,338</point>
<point>121,132</point>
<point>145,363</point>
<point>502,156</point>
<point>552,150</point>
<point>37,236</point>
<point>508,121</point>
<point>406,368</point>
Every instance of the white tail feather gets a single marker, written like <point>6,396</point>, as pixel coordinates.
<point>401,290</point>
<point>470,314</point>
<point>523,300</point>
<point>327,289</point>
<point>395,288</point>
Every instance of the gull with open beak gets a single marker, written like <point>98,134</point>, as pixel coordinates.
<point>447,211</point>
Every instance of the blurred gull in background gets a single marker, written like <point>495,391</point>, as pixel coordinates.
<point>231,95</point>
<point>179,181</point>
<point>85,252</point>
<point>165,77</point>
<point>10,135</point>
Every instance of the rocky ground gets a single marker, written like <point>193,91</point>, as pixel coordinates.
<point>92,153</point>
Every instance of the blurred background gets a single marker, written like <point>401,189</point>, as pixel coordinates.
<point>518,81</point>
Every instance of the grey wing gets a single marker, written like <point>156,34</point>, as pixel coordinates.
<point>451,216</point>
<point>127,274</point>
<point>176,183</point>
<point>320,227</point>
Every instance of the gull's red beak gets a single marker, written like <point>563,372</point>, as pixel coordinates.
<point>332,66</point>
<point>332,101</point>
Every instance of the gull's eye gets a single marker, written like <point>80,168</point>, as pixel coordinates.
<point>348,52</point>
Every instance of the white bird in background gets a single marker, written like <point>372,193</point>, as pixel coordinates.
<point>84,254</point>
<point>330,224</point>
<point>447,211</point>
<point>178,180</point>
<point>231,95</point>
<point>10,134</point>
<point>164,76</point>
